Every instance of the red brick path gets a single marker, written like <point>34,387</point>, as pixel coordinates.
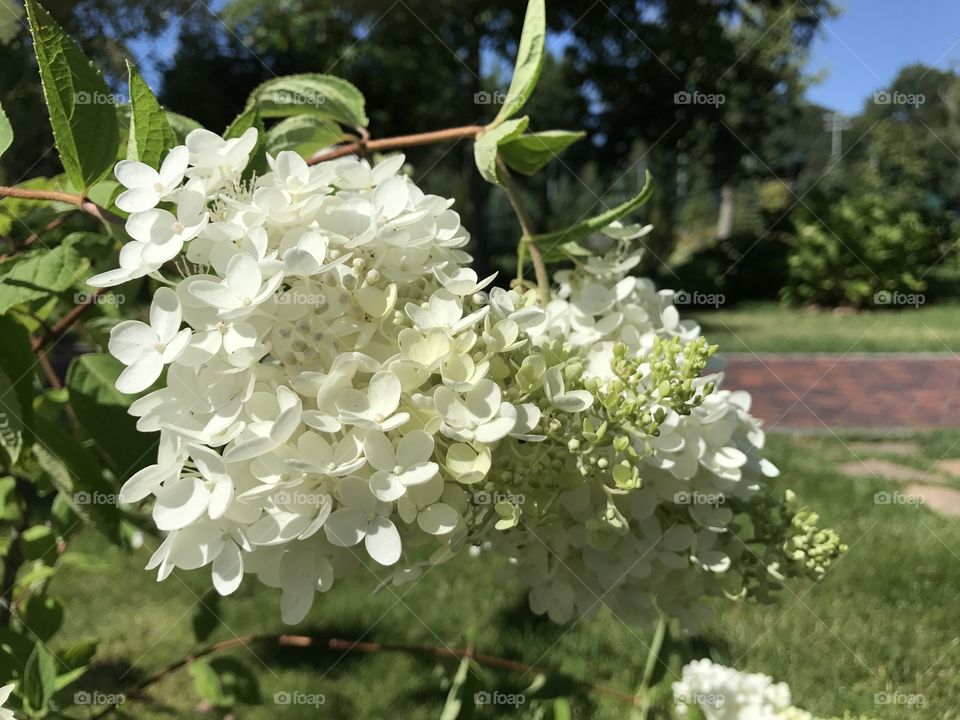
<point>863,391</point>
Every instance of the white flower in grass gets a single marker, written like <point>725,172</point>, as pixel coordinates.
<point>242,289</point>
<point>146,186</point>
<point>401,467</point>
<point>375,409</point>
<point>364,517</point>
<point>421,504</point>
<point>478,416</point>
<point>145,349</point>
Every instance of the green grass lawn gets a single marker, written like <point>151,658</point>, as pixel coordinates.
<point>885,619</point>
<point>769,327</point>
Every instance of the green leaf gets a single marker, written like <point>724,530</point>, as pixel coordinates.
<point>39,543</point>
<point>311,93</point>
<point>79,654</point>
<point>303,134</point>
<point>82,113</point>
<point>40,273</point>
<point>206,682</point>
<point>458,705</point>
<point>39,678</point>
<point>585,228</point>
<point>182,125</point>
<point>528,154</point>
<point>529,63</point>
<point>6,132</point>
<point>19,364</point>
<point>561,709</point>
<point>486,145</point>
<point>11,420</point>
<point>78,477</point>
<point>84,561</point>
<point>102,412</point>
<point>237,682</point>
<point>9,507</point>
<point>150,132</point>
<point>42,615</point>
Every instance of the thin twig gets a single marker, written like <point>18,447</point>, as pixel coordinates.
<point>395,143</point>
<point>526,227</point>
<point>67,321</point>
<point>81,202</point>
<point>342,645</point>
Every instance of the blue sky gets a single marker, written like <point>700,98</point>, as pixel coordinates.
<point>863,49</point>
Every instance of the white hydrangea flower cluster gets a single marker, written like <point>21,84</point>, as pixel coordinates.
<point>5,692</point>
<point>722,693</point>
<point>339,384</point>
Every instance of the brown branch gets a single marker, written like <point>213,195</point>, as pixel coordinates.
<point>307,641</point>
<point>81,202</point>
<point>395,143</point>
<point>67,321</point>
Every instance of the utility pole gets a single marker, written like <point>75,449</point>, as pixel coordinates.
<point>835,123</point>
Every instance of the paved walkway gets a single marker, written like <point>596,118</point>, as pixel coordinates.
<point>877,391</point>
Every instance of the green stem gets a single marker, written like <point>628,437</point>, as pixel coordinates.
<point>653,657</point>
<point>526,227</point>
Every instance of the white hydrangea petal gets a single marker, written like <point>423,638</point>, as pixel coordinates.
<point>438,519</point>
<point>419,473</point>
<point>414,447</point>
<point>379,451</point>
<point>387,486</point>
<point>141,374</point>
<point>131,340</point>
<point>346,527</point>
<point>227,569</point>
<point>180,502</point>
<point>382,541</point>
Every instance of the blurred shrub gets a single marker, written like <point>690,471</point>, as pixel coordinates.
<point>860,245</point>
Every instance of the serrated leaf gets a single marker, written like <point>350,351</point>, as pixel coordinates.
<point>40,273</point>
<point>39,678</point>
<point>82,113</point>
<point>528,154</point>
<point>487,143</point>
<point>150,132</point>
<point>11,421</point>
<point>585,228</point>
<point>313,93</point>
<point>102,412</point>
<point>6,132</point>
<point>529,62</point>
<point>302,134</point>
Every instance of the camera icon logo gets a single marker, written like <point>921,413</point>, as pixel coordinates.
<point>282,698</point>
